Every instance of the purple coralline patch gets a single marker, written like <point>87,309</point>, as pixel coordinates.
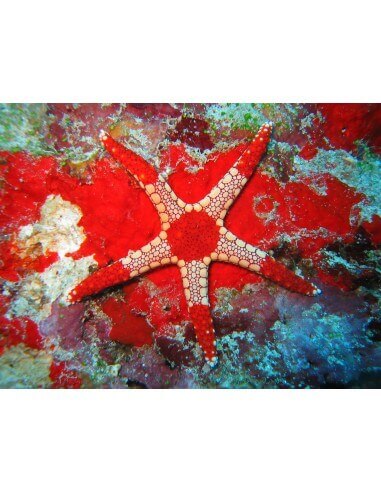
<point>179,349</point>
<point>252,309</point>
<point>64,325</point>
<point>147,369</point>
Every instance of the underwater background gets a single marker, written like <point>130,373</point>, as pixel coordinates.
<point>68,208</point>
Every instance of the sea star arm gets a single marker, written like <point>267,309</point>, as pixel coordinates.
<point>233,250</point>
<point>139,169</point>
<point>218,201</point>
<point>166,202</point>
<point>195,281</point>
<point>152,255</point>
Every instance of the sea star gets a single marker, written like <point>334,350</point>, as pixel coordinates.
<point>192,236</point>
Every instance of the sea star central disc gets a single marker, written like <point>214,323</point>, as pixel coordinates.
<point>193,236</point>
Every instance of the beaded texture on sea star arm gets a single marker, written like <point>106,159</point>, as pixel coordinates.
<point>194,275</point>
<point>153,255</point>
<point>231,249</point>
<point>222,196</point>
<point>166,202</point>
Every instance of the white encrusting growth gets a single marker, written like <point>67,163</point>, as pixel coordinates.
<point>56,231</point>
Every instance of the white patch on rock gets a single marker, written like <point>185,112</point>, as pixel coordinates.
<point>57,231</point>
<point>37,292</point>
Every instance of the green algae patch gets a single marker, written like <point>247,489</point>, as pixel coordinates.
<point>249,117</point>
<point>23,367</point>
<point>24,128</point>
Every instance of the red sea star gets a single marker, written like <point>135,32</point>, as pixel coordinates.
<point>192,236</point>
